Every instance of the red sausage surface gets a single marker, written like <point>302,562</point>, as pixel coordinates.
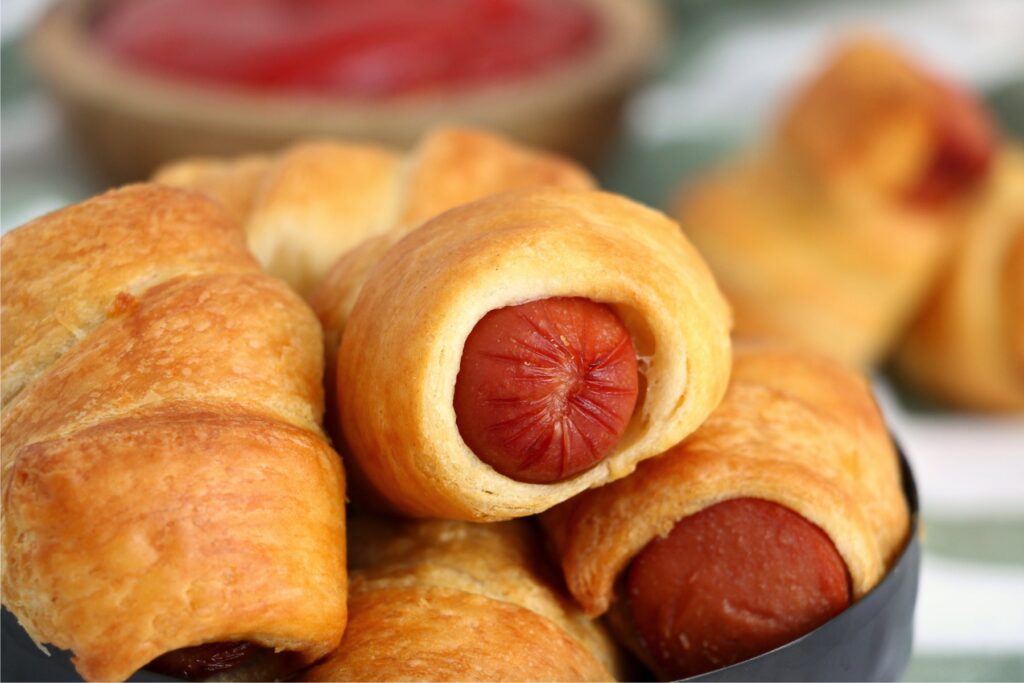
<point>734,580</point>
<point>546,388</point>
<point>201,661</point>
<point>965,143</point>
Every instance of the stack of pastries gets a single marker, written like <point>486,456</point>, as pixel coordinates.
<point>882,218</point>
<point>502,341</point>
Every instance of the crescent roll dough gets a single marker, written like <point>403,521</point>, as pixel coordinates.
<point>401,351</point>
<point>967,344</point>
<point>165,479</point>
<point>794,429</point>
<point>830,234</point>
<point>452,601</point>
<point>838,278</point>
<point>314,201</point>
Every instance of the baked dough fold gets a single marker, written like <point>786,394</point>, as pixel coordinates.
<point>829,234</point>
<point>966,345</point>
<point>402,347</point>
<point>455,601</point>
<point>795,429</point>
<point>165,479</point>
<point>314,201</point>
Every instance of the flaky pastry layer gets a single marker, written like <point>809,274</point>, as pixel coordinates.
<point>402,346</point>
<point>446,600</point>
<point>795,429</point>
<point>165,480</point>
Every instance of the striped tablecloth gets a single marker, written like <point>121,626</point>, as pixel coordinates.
<point>721,79</point>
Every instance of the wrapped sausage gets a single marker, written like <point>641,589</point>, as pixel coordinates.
<point>782,508</point>
<point>520,349</point>
<point>830,233</point>
<point>169,496</point>
<point>966,346</point>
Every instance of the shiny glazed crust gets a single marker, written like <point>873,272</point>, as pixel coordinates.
<point>840,277</point>
<point>967,344</point>
<point>314,201</point>
<point>165,479</point>
<point>794,429</point>
<point>456,601</point>
<point>402,346</point>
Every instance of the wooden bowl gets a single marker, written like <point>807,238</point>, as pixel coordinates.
<point>128,121</point>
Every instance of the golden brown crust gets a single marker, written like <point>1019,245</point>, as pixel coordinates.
<point>53,295</point>
<point>453,166</point>
<point>830,235</point>
<point>436,634</point>
<point>169,529</point>
<point>966,345</point>
<point>840,277</point>
<point>315,201</point>
<point>155,350</point>
<point>165,479</point>
<point>233,183</point>
<point>402,347</point>
<point>455,601</point>
<point>866,122</point>
<point>794,429</point>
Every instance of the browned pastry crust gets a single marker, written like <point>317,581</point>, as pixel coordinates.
<point>453,601</point>
<point>316,200</point>
<point>966,345</point>
<point>794,429</point>
<point>830,234</point>
<point>872,119</point>
<point>234,183</point>
<point>165,479</point>
<point>838,277</point>
<point>402,346</point>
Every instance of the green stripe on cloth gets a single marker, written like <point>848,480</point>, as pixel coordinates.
<point>967,667</point>
<point>995,541</point>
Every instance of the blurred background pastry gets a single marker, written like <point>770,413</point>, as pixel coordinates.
<point>965,345</point>
<point>831,233</point>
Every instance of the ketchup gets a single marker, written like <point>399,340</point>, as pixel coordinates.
<point>356,48</point>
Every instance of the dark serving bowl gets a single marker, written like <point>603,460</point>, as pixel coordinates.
<point>869,641</point>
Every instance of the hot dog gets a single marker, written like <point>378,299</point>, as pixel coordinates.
<point>519,349</point>
<point>732,581</point>
<point>546,389</point>
<point>781,509</point>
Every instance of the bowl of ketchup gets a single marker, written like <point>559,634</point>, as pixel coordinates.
<point>142,82</point>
